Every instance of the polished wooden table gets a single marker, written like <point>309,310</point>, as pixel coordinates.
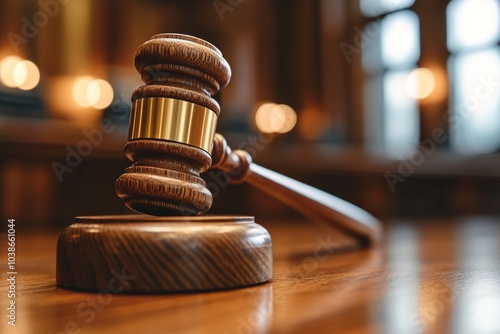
<point>427,276</point>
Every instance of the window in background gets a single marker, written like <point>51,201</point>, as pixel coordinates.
<point>472,23</point>
<point>377,7</point>
<point>388,59</point>
<point>473,33</point>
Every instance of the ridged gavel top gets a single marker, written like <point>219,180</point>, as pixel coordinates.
<point>181,67</point>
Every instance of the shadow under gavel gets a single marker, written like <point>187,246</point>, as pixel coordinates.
<point>172,140</point>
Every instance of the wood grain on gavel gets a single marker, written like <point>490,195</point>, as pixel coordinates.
<point>195,253</point>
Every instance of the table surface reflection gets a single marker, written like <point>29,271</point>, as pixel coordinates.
<point>427,276</point>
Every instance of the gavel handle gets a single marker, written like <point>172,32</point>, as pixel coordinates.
<point>320,206</point>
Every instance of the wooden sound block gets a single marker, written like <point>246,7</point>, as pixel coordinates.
<point>140,253</point>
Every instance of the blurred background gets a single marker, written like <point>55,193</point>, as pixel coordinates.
<point>393,105</point>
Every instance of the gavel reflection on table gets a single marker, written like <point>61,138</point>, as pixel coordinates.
<point>172,140</point>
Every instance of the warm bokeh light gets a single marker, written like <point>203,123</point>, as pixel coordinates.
<point>26,75</point>
<point>275,118</point>
<point>288,119</point>
<point>262,118</point>
<point>18,73</point>
<point>7,66</point>
<point>89,92</point>
<point>80,91</point>
<point>100,94</point>
<point>420,83</point>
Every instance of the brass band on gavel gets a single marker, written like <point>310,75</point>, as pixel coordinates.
<point>174,120</point>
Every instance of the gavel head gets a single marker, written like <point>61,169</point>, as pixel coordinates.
<point>172,125</point>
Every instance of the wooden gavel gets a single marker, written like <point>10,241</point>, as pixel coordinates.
<point>171,141</point>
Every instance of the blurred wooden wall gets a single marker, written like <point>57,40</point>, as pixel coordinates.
<point>283,51</point>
